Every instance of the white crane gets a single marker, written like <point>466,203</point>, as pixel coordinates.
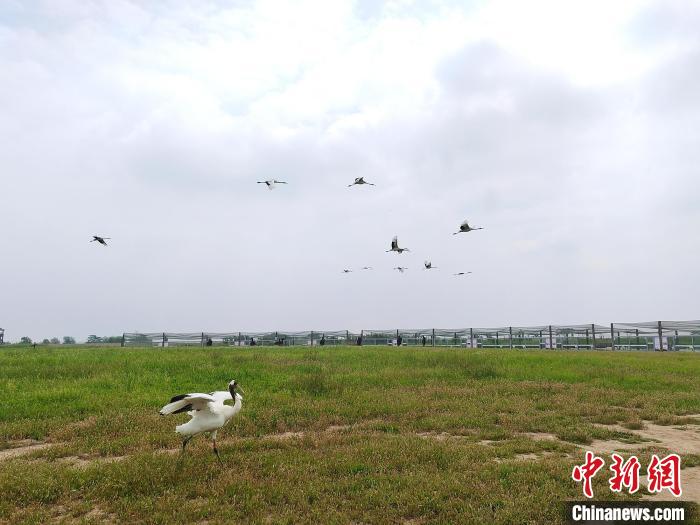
<point>359,181</point>
<point>366,267</point>
<point>465,228</point>
<point>347,271</point>
<point>99,239</point>
<point>271,183</point>
<point>429,265</point>
<point>395,246</point>
<point>400,268</point>
<point>208,412</point>
<point>460,273</point>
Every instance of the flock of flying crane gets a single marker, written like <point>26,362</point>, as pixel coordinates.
<point>208,412</point>
<point>359,181</point>
<point>428,265</point>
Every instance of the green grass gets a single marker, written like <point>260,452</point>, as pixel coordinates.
<point>387,467</point>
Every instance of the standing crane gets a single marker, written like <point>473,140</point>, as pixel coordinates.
<point>208,413</point>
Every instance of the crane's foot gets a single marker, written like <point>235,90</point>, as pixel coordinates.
<point>216,451</point>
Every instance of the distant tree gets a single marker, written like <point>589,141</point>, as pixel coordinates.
<point>25,340</point>
<point>112,339</point>
<point>55,341</point>
<point>68,340</point>
<point>45,342</point>
<point>94,339</point>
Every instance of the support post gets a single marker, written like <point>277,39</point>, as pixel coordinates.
<point>510,337</point>
<point>612,336</point>
<point>661,337</point>
<point>433,338</point>
<point>123,340</point>
<point>162,343</point>
<point>240,341</point>
<point>550,337</point>
<point>498,345</point>
<point>311,339</point>
<point>636,333</point>
<point>347,337</point>
<point>201,341</point>
<point>587,339</point>
<point>593,335</point>
<point>471,338</point>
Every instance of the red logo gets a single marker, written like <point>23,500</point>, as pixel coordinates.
<point>626,474</point>
<point>661,474</point>
<point>586,472</point>
<point>665,474</point>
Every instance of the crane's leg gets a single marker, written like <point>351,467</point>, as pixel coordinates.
<point>184,443</point>
<point>216,450</point>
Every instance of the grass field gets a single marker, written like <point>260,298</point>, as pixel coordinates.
<point>326,435</point>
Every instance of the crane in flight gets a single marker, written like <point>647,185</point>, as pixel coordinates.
<point>395,246</point>
<point>347,271</point>
<point>465,228</point>
<point>461,273</point>
<point>400,268</point>
<point>366,267</point>
<point>360,181</point>
<point>99,239</point>
<point>429,265</point>
<point>271,183</point>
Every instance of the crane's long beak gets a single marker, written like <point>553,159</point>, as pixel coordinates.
<point>242,391</point>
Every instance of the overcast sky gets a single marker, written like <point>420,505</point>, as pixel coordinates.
<point>569,130</point>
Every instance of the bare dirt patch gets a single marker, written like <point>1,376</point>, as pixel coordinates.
<point>530,456</point>
<point>99,515</point>
<point>286,435</point>
<point>338,428</point>
<point>684,439</point>
<point>85,461</point>
<point>690,483</point>
<point>540,436</point>
<point>22,447</point>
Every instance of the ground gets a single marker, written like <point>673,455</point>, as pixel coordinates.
<point>333,435</point>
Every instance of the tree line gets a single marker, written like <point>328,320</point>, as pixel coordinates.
<point>68,340</point>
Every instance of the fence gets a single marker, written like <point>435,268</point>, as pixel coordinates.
<point>656,335</point>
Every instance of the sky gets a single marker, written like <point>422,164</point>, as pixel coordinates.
<point>568,130</point>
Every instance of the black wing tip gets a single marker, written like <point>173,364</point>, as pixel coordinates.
<point>178,398</point>
<point>186,408</point>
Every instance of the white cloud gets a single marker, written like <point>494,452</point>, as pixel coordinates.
<point>567,129</point>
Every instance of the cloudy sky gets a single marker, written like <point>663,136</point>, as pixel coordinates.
<point>569,130</point>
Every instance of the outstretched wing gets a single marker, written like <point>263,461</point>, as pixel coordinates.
<point>186,402</point>
<point>395,243</point>
<point>221,395</point>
